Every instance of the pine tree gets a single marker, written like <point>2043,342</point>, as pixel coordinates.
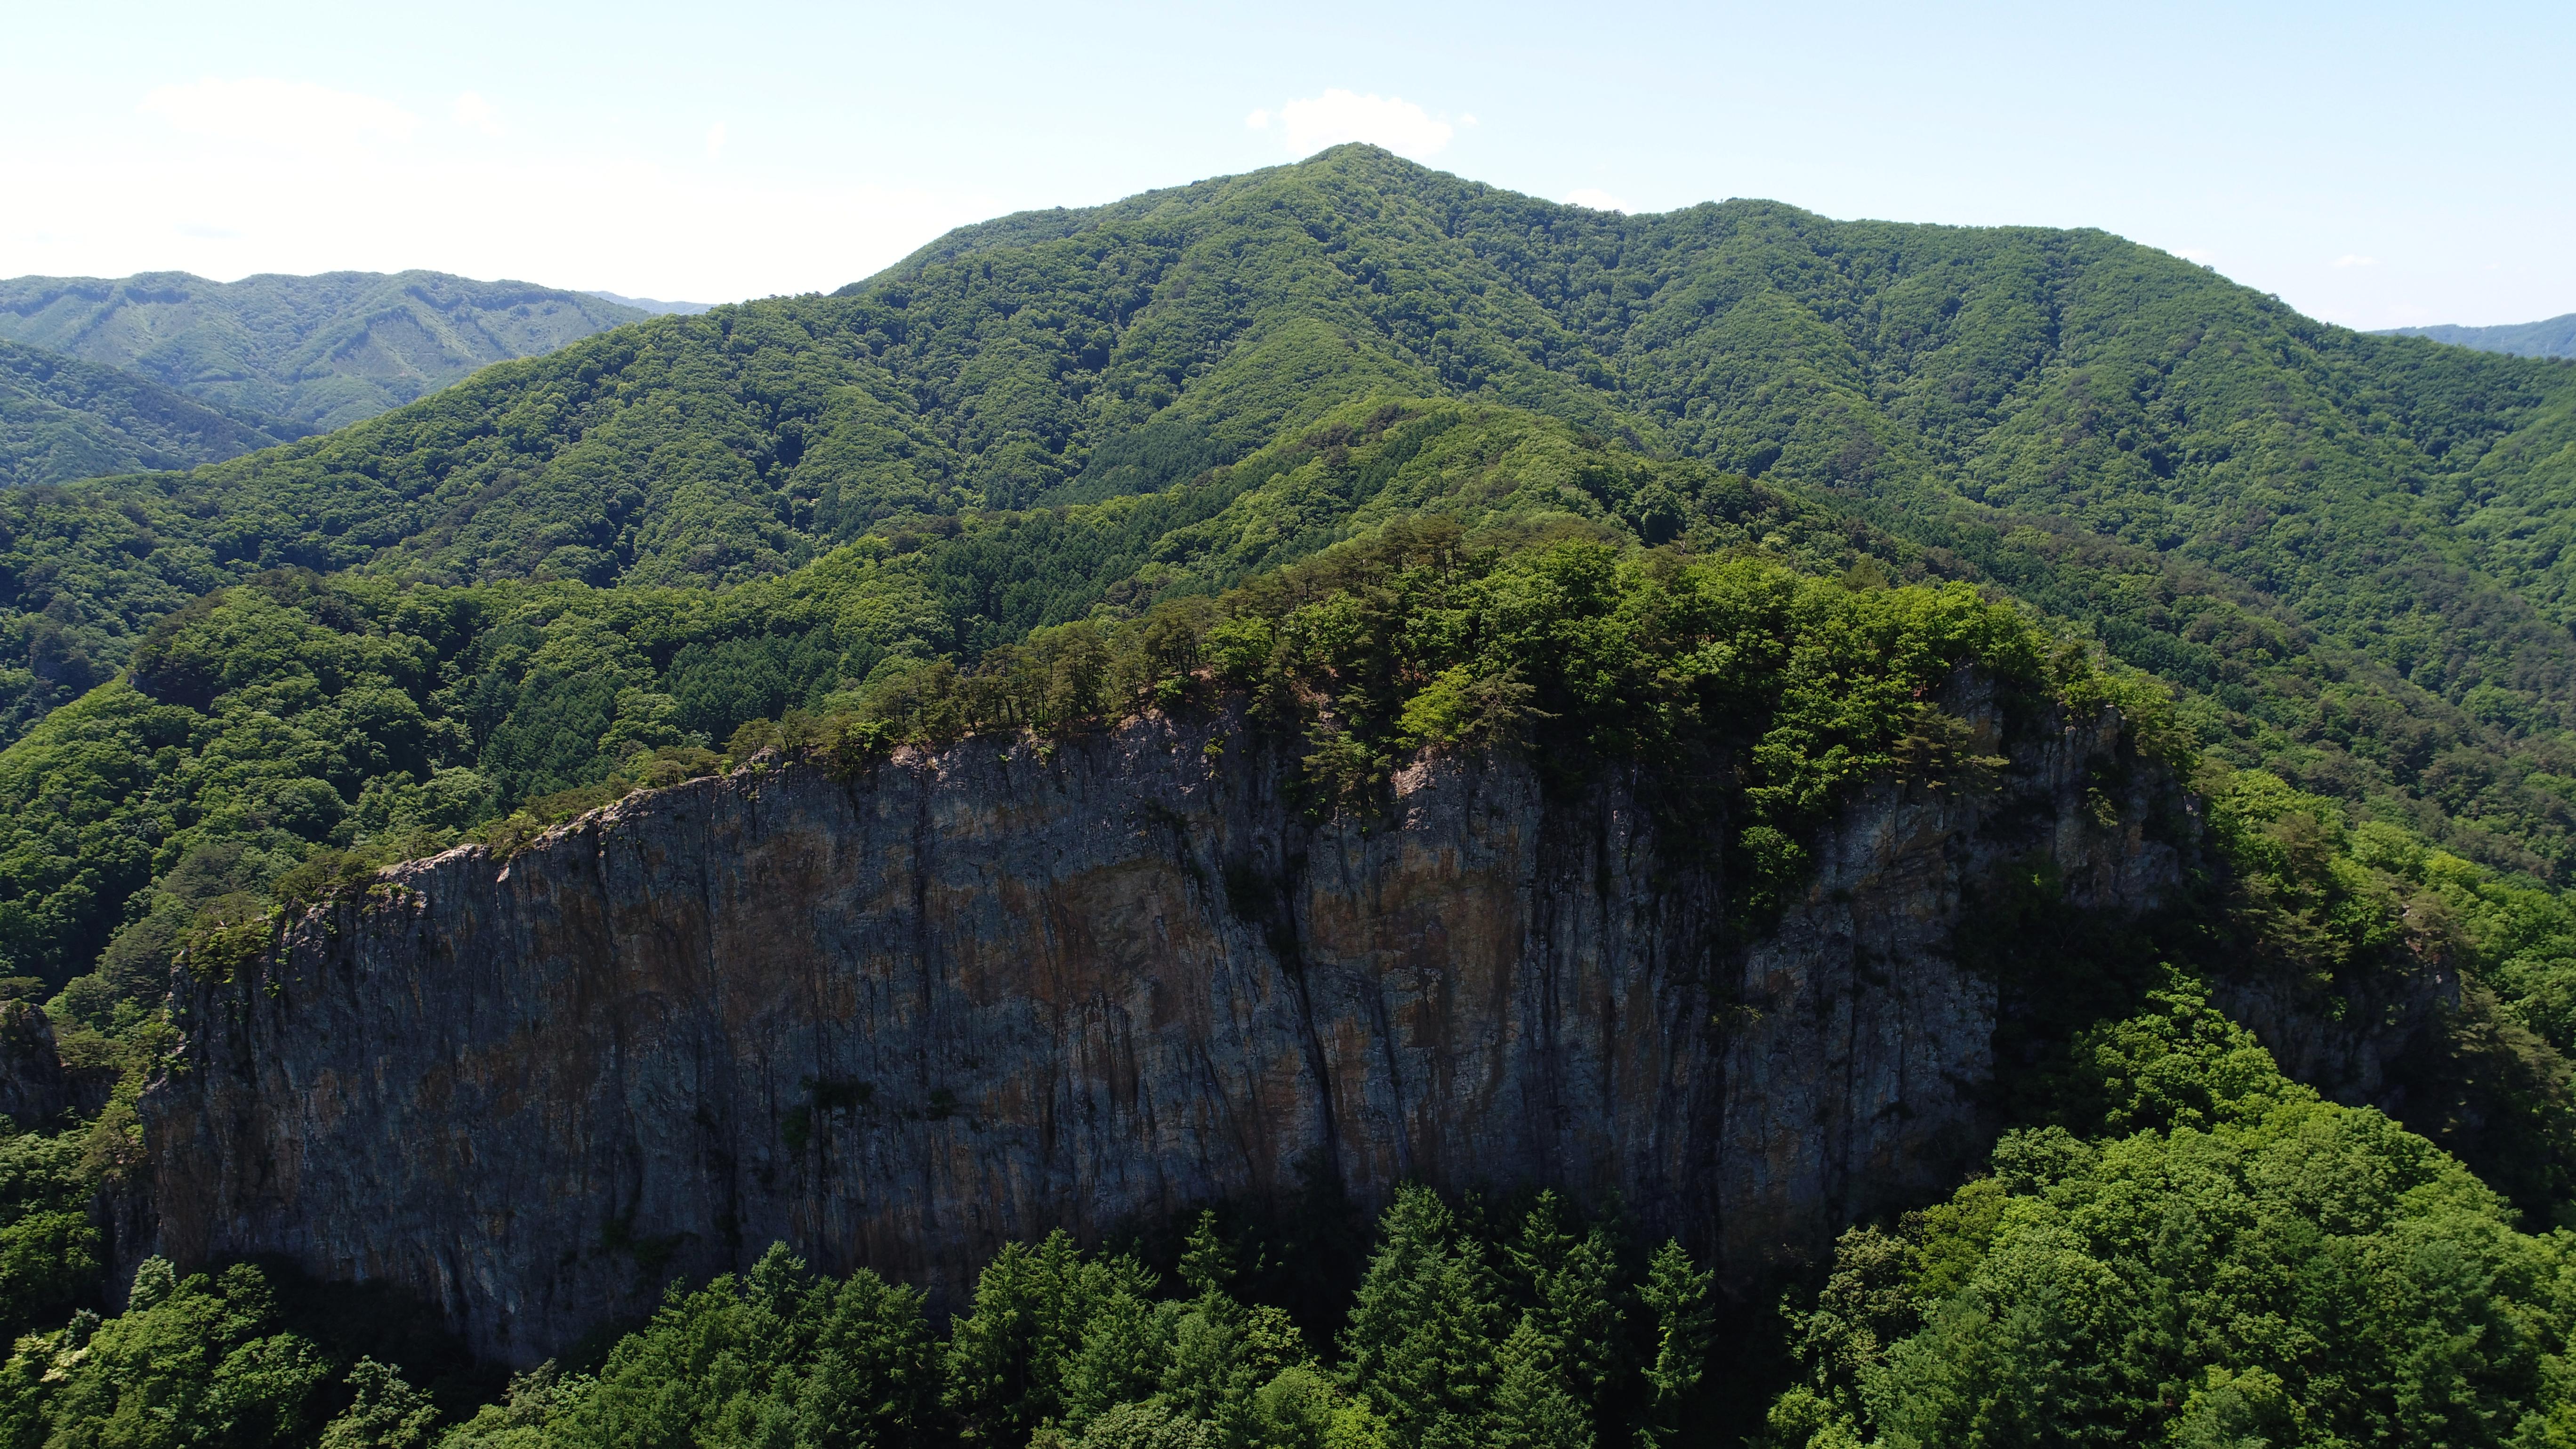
<point>1125,1351</point>
<point>1009,1358</point>
<point>1222,1351</point>
<point>1573,1287</point>
<point>1685,1325</point>
<point>1207,1264</point>
<point>874,1379</point>
<point>1422,1326</point>
<point>1532,1406</point>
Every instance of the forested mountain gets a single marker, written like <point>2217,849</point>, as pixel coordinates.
<point>61,419</point>
<point>2309,526</point>
<point>322,351</point>
<point>2553,338</point>
<point>1414,464</point>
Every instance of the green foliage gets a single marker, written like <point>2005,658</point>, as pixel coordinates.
<point>1334,443</point>
<point>2344,544</point>
<point>192,1360</point>
<point>278,741</point>
<point>2220,1254</point>
<point>384,1412</point>
<point>1424,637</point>
<point>1008,1358</point>
<point>1423,1325</point>
<point>2230,1257</point>
<point>1679,1297</point>
<point>324,350</point>
<point>775,1356</point>
<point>1059,1347</point>
<point>2185,1065</point>
<point>49,1252</point>
<point>61,419</point>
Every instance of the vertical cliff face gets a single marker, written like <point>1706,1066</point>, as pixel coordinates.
<point>34,1088</point>
<point>997,989</point>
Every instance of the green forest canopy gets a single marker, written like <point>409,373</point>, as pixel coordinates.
<point>62,419</point>
<point>1483,472</point>
<point>2348,542</point>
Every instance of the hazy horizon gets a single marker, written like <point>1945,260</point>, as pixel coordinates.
<point>2374,166</point>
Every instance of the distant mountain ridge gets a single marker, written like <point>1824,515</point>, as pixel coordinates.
<point>2555,337</point>
<point>322,351</point>
<point>654,305</point>
<point>62,418</point>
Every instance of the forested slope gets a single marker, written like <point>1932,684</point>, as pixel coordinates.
<point>62,419</point>
<point>2349,542</point>
<point>322,351</point>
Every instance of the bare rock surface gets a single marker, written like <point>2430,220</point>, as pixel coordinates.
<point>980,993</point>
<point>34,1089</point>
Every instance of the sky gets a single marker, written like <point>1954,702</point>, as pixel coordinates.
<point>2374,165</point>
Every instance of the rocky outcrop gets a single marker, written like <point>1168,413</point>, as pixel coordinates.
<point>1006,987</point>
<point>34,1088</point>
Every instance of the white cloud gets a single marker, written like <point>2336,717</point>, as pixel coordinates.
<point>716,139</point>
<point>477,114</point>
<point>2202,255</point>
<point>1337,116</point>
<point>288,115</point>
<point>2349,259</point>
<point>1597,200</point>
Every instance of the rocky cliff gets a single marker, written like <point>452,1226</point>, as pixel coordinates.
<point>983,992</point>
<point>34,1088</point>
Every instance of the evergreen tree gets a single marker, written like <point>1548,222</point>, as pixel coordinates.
<point>1126,1349</point>
<point>1207,1264</point>
<point>1573,1288</point>
<point>1422,1326</point>
<point>874,1383</point>
<point>1678,1295</point>
<point>1223,1352</point>
<point>1533,1408</point>
<point>1008,1359</point>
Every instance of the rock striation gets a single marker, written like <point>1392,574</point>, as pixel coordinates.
<point>1005,987</point>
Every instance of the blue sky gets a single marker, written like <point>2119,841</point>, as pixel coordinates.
<point>2374,165</point>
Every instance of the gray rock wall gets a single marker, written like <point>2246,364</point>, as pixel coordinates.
<point>999,989</point>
